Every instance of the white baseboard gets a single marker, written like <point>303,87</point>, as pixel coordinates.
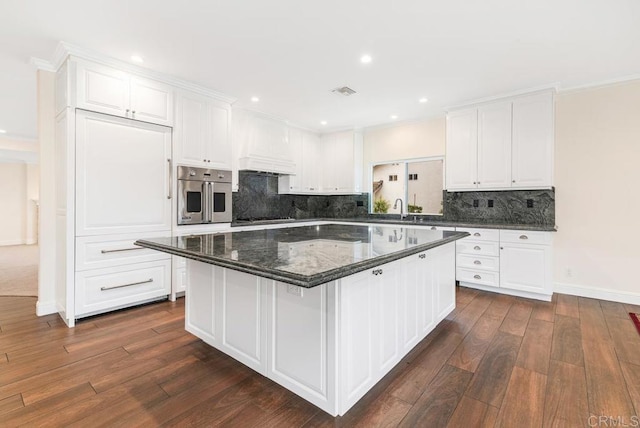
<point>12,242</point>
<point>46,308</point>
<point>597,293</point>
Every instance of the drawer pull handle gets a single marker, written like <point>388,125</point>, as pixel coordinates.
<point>477,248</point>
<point>422,256</point>
<point>477,276</point>
<point>476,234</point>
<point>477,262</point>
<point>126,285</point>
<point>524,237</point>
<point>121,249</point>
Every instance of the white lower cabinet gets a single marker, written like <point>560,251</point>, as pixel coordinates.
<point>120,286</point>
<point>513,262</point>
<point>329,344</point>
<point>525,261</point>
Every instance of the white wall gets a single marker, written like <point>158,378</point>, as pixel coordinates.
<point>597,179</point>
<point>13,193</point>
<point>407,140</point>
<point>47,227</point>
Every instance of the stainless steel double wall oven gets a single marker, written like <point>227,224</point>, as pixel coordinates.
<point>204,195</point>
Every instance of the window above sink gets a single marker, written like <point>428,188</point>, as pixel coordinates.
<point>419,183</point>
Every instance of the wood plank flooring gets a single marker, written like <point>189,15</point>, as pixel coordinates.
<point>495,361</point>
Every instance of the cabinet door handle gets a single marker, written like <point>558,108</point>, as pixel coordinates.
<point>170,194</point>
<point>121,249</point>
<point>513,181</point>
<point>133,112</point>
<point>126,285</point>
<point>477,262</point>
<point>474,182</point>
<point>524,237</point>
<point>476,234</point>
<point>477,248</point>
<point>477,276</point>
<point>128,111</point>
<point>377,271</point>
<point>422,256</point>
<point>433,228</point>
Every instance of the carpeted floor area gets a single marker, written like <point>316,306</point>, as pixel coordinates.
<point>19,270</point>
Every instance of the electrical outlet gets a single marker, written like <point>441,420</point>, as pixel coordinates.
<point>529,203</point>
<point>360,203</point>
<point>294,289</point>
<point>476,203</point>
<point>490,203</point>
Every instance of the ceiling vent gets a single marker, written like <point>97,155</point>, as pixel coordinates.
<point>344,90</point>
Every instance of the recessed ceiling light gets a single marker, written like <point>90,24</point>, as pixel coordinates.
<point>365,59</point>
<point>255,99</point>
<point>2,131</point>
<point>423,100</point>
<point>323,122</point>
<point>137,58</point>
<point>394,117</point>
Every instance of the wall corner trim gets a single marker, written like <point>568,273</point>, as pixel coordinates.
<point>597,293</point>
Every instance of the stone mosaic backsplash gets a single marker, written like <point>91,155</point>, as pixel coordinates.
<point>258,198</point>
<point>536,207</point>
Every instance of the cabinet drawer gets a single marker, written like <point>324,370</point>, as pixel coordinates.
<point>481,248</point>
<point>478,262</point>
<point>99,290</point>
<point>96,252</point>
<point>478,277</point>
<point>525,237</point>
<point>480,234</point>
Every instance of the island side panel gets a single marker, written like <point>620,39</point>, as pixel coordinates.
<point>225,309</point>
<point>384,312</point>
<point>301,341</point>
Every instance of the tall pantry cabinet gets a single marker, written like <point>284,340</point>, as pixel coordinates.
<point>113,177</point>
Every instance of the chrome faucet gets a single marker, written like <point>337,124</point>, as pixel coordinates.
<point>395,206</point>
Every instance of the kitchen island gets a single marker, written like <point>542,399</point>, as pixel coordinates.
<point>325,311</point>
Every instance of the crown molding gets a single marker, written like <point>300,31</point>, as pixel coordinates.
<point>64,50</point>
<point>404,122</point>
<point>607,82</point>
<point>528,91</point>
<point>42,64</point>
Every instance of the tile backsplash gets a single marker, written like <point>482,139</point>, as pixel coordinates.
<point>258,198</point>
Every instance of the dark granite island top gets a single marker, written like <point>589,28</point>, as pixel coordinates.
<point>306,256</point>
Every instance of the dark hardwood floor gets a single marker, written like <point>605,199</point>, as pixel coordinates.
<point>495,361</point>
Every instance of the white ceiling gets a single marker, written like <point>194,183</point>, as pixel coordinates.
<point>291,53</point>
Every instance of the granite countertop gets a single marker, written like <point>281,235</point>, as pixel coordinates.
<point>406,222</point>
<point>306,256</point>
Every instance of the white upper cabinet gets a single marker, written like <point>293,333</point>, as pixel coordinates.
<point>202,131</point>
<point>107,90</point>
<point>501,145</point>
<point>462,150</point>
<point>262,143</point>
<point>533,139</point>
<point>292,183</point>
<point>494,145</point>
<point>331,164</point>
<point>342,162</point>
<point>311,163</point>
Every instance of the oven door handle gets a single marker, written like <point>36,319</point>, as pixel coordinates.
<point>207,201</point>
